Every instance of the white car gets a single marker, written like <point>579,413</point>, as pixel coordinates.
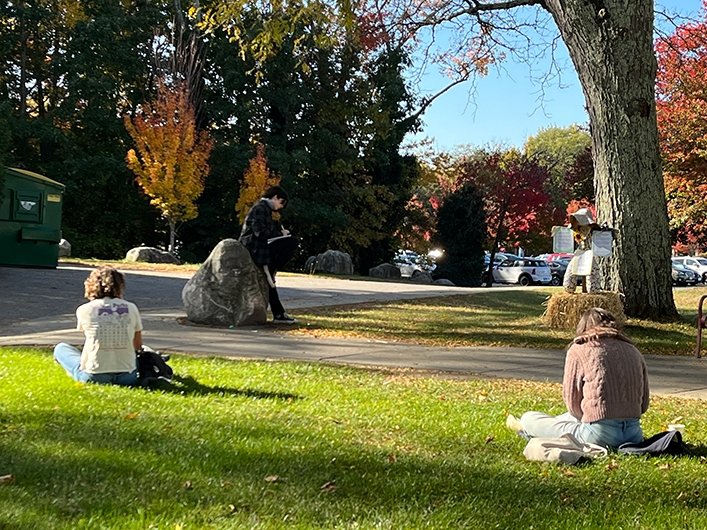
<point>695,263</point>
<point>411,263</point>
<point>523,271</point>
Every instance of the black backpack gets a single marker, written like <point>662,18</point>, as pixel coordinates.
<point>152,366</point>
<point>663,443</point>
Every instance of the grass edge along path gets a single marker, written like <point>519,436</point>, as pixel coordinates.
<point>494,317</point>
<point>295,445</point>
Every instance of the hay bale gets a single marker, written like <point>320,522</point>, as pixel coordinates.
<point>565,309</point>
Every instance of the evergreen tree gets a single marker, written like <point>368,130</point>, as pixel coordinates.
<point>461,231</point>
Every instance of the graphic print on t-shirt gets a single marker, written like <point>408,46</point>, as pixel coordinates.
<point>113,322</point>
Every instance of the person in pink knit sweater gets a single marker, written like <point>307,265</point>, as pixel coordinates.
<point>605,388</point>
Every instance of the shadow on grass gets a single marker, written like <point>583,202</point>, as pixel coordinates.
<point>188,386</point>
<point>217,480</point>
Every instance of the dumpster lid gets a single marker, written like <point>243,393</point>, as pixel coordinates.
<point>34,176</point>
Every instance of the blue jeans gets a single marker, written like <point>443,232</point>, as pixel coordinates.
<point>70,359</point>
<point>607,433</point>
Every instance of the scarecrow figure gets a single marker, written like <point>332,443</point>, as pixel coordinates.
<point>583,267</point>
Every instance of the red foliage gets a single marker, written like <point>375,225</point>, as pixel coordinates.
<point>518,209</point>
<point>681,91</point>
<point>372,30</point>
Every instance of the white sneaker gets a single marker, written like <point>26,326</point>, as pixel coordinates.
<point>513,423</point>
<point>284,319</point>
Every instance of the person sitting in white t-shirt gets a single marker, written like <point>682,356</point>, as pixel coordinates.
<point>113,332</point>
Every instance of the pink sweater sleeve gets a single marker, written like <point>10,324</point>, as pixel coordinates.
<point>572,383</point>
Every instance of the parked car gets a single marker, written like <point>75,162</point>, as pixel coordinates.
<point>498,257</point>
<point>695,263</point>
<point>558,268</point>
<point>683,276</point>
<point>410,263</point>
<point>523,271</point>
<point>558,256</point>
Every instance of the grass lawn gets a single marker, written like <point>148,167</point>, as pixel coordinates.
<point>493,317</point>
<point>294,445</point>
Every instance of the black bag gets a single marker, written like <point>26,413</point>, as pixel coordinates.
<point>152,366</point>
<point>663,443</point>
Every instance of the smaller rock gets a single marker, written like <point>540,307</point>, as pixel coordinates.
<point>421,277</point>
<point>150,255</point>
<point>387,271</point>
<point>444,281</point>
<point>64,248</point>
<point>331,262</point>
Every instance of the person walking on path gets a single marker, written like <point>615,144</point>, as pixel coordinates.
<point>270,245</point>
<point>605,388</point>
<point>113,332</point>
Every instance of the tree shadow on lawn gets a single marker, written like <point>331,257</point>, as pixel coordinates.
<point>471,485</point>
<point>188,386</point>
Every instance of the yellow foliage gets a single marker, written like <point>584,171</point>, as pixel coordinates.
<point>256,179</point>
<point>171,159</point>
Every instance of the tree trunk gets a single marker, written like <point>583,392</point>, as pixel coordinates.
<point>172,234</point>
<point>611,45</point>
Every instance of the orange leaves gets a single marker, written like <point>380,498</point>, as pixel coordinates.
<point>256,179</point>
<point>171,155</point>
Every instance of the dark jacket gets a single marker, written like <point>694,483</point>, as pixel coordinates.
<point>258,227</point>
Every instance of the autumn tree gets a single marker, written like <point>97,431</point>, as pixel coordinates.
<point>682,120</point>
<point>256,179</point>
<point>171,156</point>
<point>516,205</point>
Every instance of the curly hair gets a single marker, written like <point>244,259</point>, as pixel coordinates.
<point>104,282</point>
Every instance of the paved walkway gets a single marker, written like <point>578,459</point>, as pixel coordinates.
<point>676,376</point>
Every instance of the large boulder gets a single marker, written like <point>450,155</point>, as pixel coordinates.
<point>331,262</point>
<point>150,255</point>
<point>228,289</point>
<point>387,271</point>
<point>64,248</point>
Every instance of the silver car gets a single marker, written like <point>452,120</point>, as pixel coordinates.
<point>523,271</point>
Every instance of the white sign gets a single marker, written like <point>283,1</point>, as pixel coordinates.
<point>601,242</point>
<point>562,240</point>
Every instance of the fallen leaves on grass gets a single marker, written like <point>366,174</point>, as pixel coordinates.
<point>7,479</point>
<point>612,465</point>
<point>329,486</point>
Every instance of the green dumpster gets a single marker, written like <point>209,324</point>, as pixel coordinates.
<point>30,219</point>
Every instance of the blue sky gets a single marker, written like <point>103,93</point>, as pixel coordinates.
<point>506,107</point>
